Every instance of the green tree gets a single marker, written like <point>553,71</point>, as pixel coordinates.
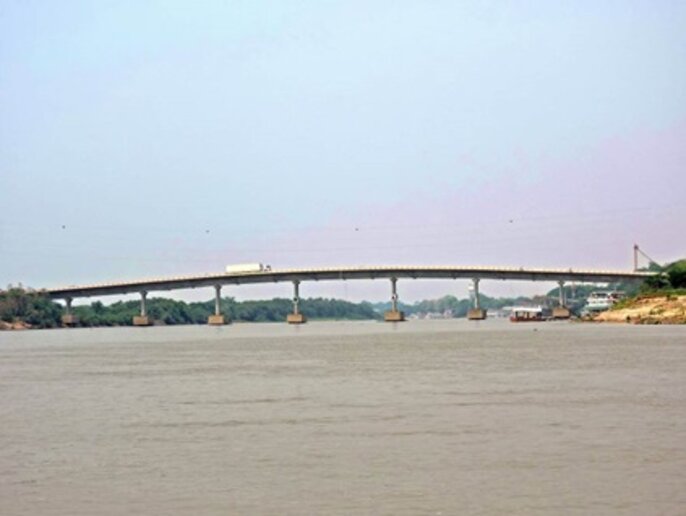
<point>34,308</point>
<point>676,272</point>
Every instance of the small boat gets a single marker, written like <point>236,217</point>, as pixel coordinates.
<point>602,300</point>
<point>526,314</point>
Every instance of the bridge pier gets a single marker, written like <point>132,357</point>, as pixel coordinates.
<point>217,319</point>
<point>394,315</point>
<point>477,313</point>
<point>561,311</point>
<point>296,317</point>
<point>69,319</point>
<point>142,319</point>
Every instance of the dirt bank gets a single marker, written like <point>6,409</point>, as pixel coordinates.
<point>17,325</point>
<point>648,310</point>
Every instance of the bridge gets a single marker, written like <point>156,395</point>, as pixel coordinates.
<point>297,276</point>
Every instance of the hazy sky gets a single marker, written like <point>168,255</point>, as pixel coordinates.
<point>144,139</point>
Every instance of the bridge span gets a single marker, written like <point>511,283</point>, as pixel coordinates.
<point>296,276</point>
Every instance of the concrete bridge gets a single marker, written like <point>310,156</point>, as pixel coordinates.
<point>297,276</point>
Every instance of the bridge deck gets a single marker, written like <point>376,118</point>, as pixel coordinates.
<point>345,273</point>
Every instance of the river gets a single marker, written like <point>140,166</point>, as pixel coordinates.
<point>422,417</point>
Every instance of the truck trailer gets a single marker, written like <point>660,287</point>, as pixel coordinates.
<point>241,268</point>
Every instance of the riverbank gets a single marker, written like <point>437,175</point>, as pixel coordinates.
<point>652,309</point>
<point>18,325</point>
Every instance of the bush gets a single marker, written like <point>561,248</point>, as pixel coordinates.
<point>34,308</point>
<point>676,272</point>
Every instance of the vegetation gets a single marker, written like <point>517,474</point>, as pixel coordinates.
<point>676,272</point>
<point>667,293</point>
<point>459,307</point>
<point>37,310</point>
<point>673,277</point>
<point>169,311</point>
<point>31,308</point>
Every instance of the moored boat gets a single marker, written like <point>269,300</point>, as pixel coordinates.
<point>526,314</point>
<point>602,300</point>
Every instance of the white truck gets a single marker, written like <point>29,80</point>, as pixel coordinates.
<point>240,268</point>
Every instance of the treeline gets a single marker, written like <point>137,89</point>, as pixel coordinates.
<point>32,308</point>
<point>169,311</point>
<point>37,310</point>
<point>673,278</point>
<point>459,307</point>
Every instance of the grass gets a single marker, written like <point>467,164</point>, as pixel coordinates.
<point>669,294</point>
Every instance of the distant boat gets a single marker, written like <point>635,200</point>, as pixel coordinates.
<point>526,314</point>
<point>602,300</point>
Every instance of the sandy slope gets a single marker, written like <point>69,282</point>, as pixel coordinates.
<point>649,310</point>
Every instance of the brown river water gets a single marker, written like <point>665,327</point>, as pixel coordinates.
<point>435,417</point>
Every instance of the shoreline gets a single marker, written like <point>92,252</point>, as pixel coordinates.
<point>651,309</point>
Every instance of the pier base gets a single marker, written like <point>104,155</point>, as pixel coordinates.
<point>296,319</point>
<point>476,314</point>
<point>394,316</point>
<point>216,320</point>
<point>561,312</point>
<point>141,320</point>
<point>70,320</point>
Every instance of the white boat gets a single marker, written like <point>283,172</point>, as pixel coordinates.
<point>526,314</point>
<point>602,300</point>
